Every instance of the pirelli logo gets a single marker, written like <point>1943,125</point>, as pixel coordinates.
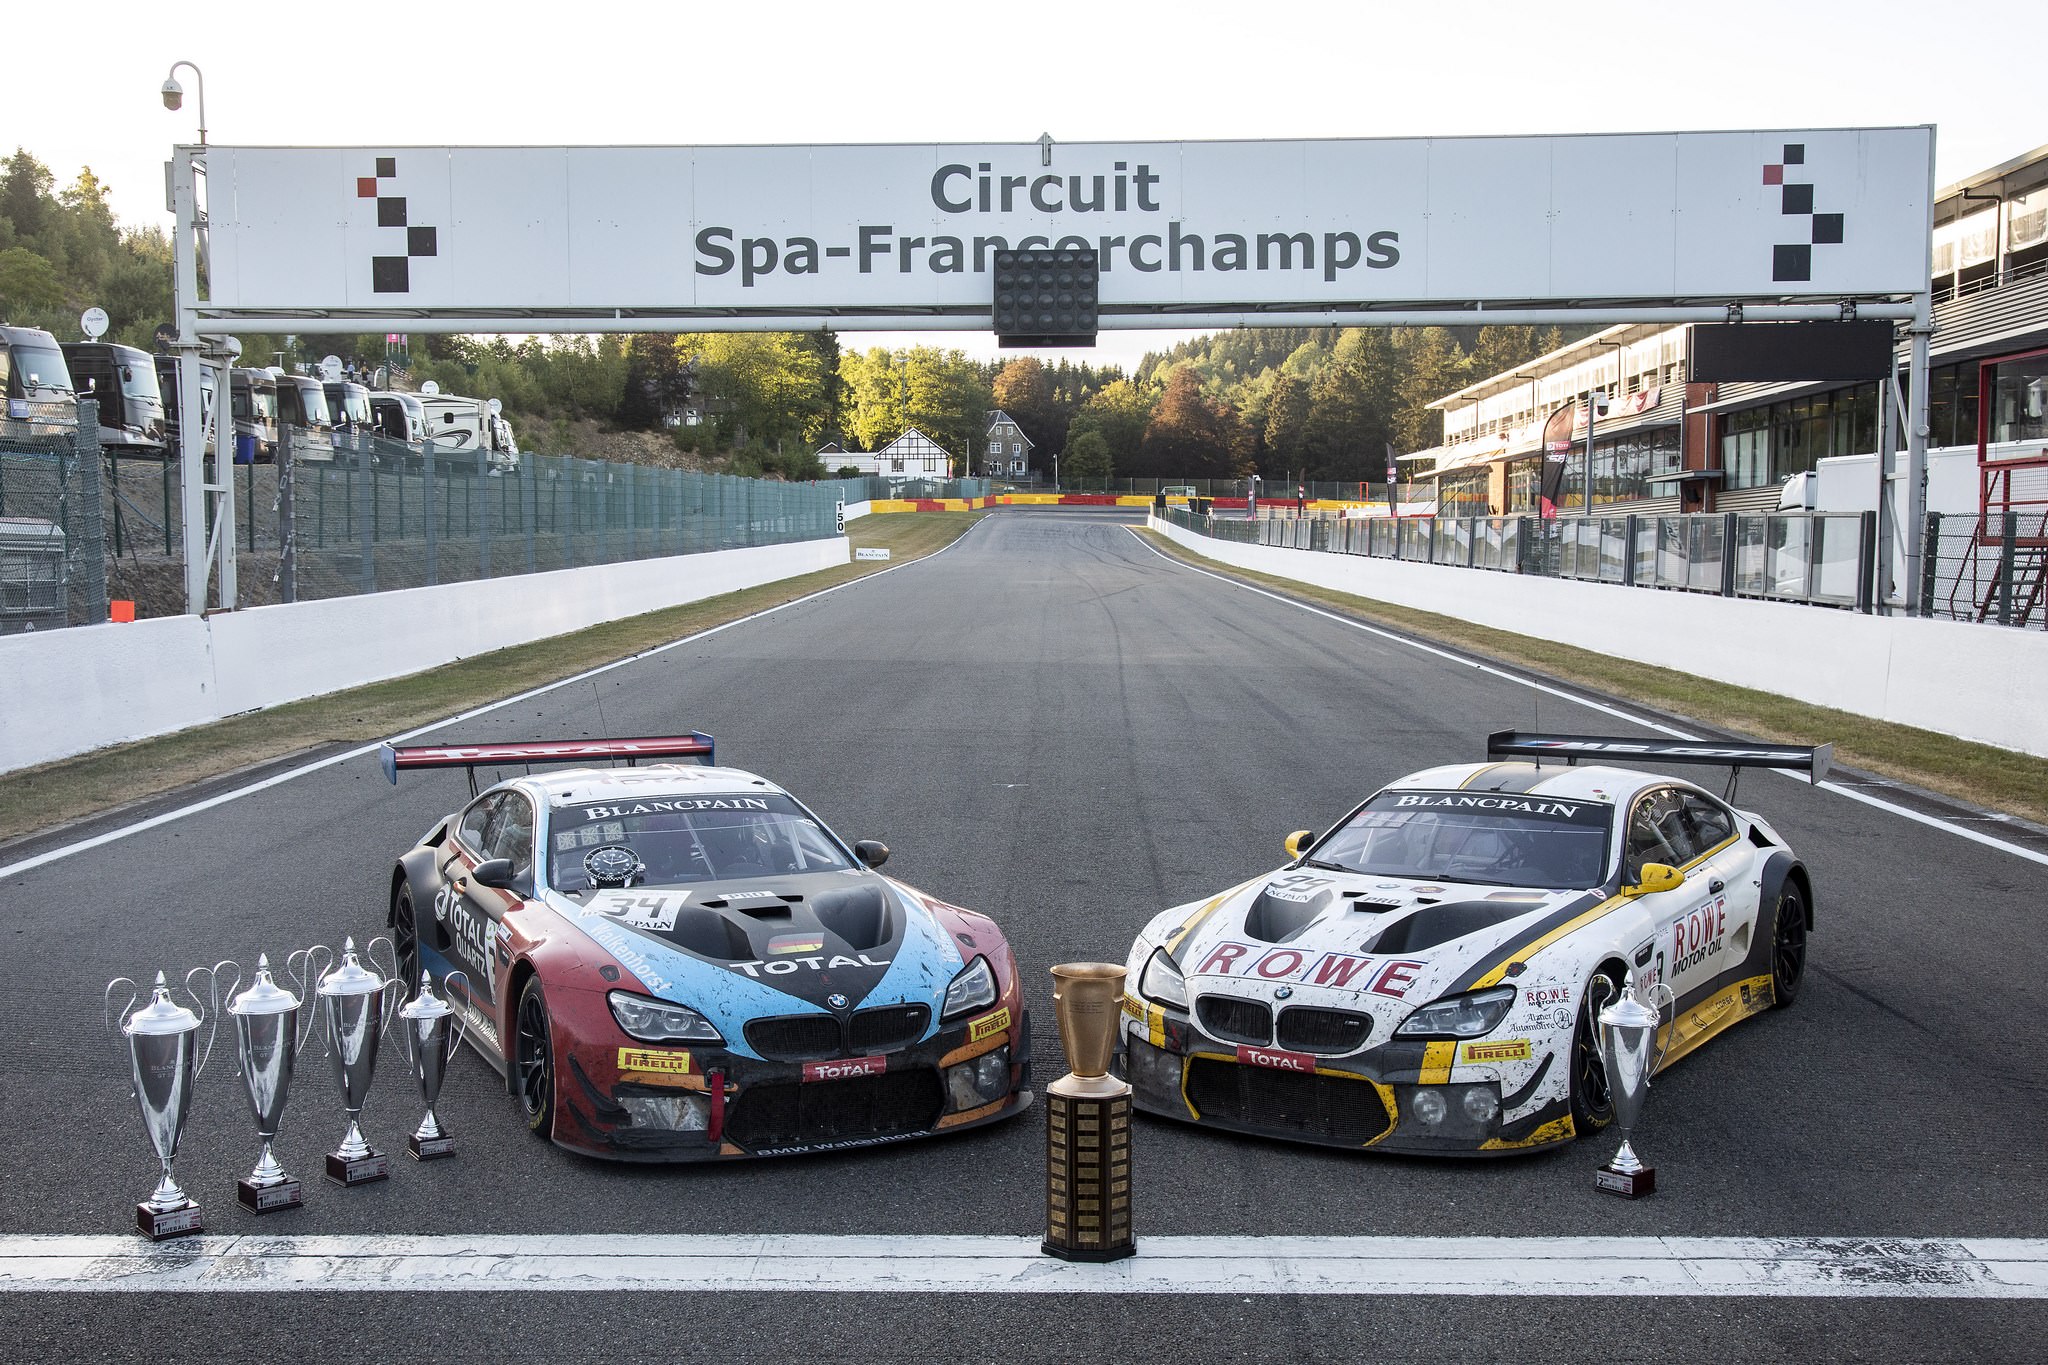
<point>660,1063</point>
<point>989,1025</point>
<point>1509,1050</point>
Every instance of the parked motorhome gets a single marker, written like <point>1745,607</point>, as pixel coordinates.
<point>122,380</point>
<point>462,425</point>
<point>399,417</point>
<point>167,386</point>
<point>38,382</point>
<point>348,403</point>
<point>302,407</point>
<point>252,395</point>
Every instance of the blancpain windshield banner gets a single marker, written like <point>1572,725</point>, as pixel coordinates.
<point>812,230</point>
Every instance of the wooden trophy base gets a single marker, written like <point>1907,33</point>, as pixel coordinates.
<point>1626,1184</point>
<point>1088,1170</point>
<point>169,1223</point>
<point>363,1170</point>
<point>430,1149</point>
<point>285,1194</point>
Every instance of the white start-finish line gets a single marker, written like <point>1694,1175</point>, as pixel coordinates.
<point>1737,1267</point>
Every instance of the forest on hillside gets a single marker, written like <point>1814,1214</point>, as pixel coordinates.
<point>1311,402</point>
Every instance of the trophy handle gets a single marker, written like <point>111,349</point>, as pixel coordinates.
<point>107,1013</point>
<point>462,1015</point>
<point>306,966</point>
<point>208,1008</point>
<point>1669,1000</point>
<point>394,986</point>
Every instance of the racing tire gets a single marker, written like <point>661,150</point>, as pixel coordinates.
<point>1592,1109</point>
<point>533,1059</point>
<point>1788,946</point>
<point>405,936</point>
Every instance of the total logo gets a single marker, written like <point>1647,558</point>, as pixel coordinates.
<point>1276,1059</point>
<point>817,962</point>
<point>845,1070</point>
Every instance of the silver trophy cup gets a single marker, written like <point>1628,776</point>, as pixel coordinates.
<point>1629,1051</point>
<point>164,1060</point>
<point>353,1016</point>
<point>266,1019</point>
<point>432,1030</point>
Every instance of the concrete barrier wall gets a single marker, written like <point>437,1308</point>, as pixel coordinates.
<point>1953,677</point>
<point>69,691</point>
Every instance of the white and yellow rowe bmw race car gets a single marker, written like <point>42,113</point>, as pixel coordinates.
<point>1423,977</point>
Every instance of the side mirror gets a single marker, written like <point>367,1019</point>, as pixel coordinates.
<point>495,873</point>
<point>1298,841</point>
<point>871,852</point>
<point>1653,878</point>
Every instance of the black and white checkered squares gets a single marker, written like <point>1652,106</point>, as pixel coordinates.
<point>393,274</point>
<point>1793,262</point>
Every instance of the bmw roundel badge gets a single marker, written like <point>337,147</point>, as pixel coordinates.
<point>836,1001</point>
<point>1284,993</point>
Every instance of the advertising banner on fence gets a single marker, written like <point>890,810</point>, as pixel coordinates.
<point>1217,225</point>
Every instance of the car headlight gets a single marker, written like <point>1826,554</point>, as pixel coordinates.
<point>1460,1016</point>
<point>657,1021</point>
<point>1162,982</point>
<point>973,989</point>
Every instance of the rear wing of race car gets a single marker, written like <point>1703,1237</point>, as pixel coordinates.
<point>1814,762</point>
<point>529,753</point>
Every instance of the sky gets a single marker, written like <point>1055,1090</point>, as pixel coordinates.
<point>513,72</point>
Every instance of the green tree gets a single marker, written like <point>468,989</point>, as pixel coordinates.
<point>1087,457</point>
<point>1119,412</point>
<point>1431,367</point>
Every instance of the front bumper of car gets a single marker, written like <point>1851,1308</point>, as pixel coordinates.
<point>1400,1096</point>
<point>630,1101</point>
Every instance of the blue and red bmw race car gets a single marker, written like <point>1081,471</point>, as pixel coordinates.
<point>678,963</point>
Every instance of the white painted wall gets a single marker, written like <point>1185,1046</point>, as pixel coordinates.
<point>1953,677</point>
<point>69,691</point>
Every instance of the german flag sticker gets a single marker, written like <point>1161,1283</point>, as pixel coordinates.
<point>795,943</point>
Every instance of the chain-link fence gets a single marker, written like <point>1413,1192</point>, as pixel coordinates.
<point>52,531</point>
<point>876,487</point>
<point>1817,558</point>
<point>362,514</point>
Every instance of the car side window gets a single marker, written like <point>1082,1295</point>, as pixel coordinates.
<point>510,832</point>
<point>1656,834</point>
<point>475,821</point>
<point>1711,824</point>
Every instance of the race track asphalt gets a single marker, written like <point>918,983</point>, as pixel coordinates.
<point>1054,724</point>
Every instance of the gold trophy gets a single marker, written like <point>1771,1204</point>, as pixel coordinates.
<point>1088,1123</point>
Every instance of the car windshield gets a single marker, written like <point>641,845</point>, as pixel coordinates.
<point>695,838</point>
<point>1491,838</point>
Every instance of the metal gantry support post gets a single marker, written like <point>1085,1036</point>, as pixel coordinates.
<point>205,546</point>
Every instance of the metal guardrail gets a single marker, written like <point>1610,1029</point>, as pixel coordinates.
<point>1819,558</point>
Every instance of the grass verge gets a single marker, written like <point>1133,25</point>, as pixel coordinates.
<point>55,794</point>
<point>1981,774</point>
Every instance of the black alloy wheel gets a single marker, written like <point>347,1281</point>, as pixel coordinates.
<point>1788,946</point>
<point>534,1060</point>
<point>405,937</point>
<point>1592,1107</point>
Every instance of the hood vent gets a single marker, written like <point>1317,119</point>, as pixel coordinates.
<point>1372,904</point>
<point>1277,916</point>
<point>709,934</point>
<point>1435,924</point>
<point>765,905</point>
<point>859,915</point>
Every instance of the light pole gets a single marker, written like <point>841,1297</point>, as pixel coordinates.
<point>174,94</point>
<point>196,491</point>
